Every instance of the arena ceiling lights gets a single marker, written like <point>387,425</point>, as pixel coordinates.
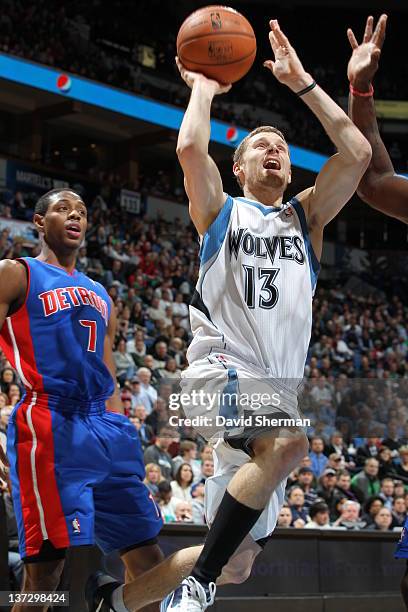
<point>76,88</point>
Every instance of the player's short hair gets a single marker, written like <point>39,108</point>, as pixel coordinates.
<point>241,148</point>
<point>43,203</point>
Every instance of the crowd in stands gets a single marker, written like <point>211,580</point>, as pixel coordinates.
<point>102,42</point>
<point>355,389</point>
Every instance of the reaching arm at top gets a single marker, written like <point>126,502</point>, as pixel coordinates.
<point>202,179</point>
<point>340,176</point>
<point>380,187</point>
<point>114,403</point>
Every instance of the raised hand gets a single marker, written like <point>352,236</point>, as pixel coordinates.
<point>286,67</point>
<point>364,60</point>
<point>190,77</point>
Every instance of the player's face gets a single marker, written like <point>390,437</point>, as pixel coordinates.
<point>65,222</point>
<point>265,162</point>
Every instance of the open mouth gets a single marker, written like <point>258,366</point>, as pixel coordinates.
<point>272,164</point>
<point>73,230</point>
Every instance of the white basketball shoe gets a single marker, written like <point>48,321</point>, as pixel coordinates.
<point>190,596</point>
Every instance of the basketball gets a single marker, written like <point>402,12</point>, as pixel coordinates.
<point>217,41</point>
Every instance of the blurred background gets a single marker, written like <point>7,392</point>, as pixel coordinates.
<point>90,98</point>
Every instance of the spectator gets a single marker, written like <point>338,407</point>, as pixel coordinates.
<point>160,355</point>
<point>159,417</point>
<point>146,433</point>
<point>319,460</point>
<point>368,450</point>
<point>188,454</point>
<point>206,453</point>
<point>14,394</point>
<point>153,478</point>
<point>335,462</point>
<point>207,468</point>
<point>337,446</point>
<point>166,502</point>
<point>181,485</point>
<point>392,441</point>
<point>7,377</point>
<point>145,376</point>
<point>198,495</point>
<point>158,452</point>
<point>125,367</point>
<point>382,520</point>
<point>387,466</point>
<point>296,501</point>
<point>319,515</point>
<point>15,562</point>
<point>371,507</point>
<point>349,518</point>
<point>305,481</point>
<point>139,397</point>
<point>366,483</point>
<point>5,413</point>
<point>170,370</point>
<point>399,512</point>
<point>342,492</point>
<point>327,485</point>
<point>387,492</point>
<point>402,468</point>
<point>285,517</point>
<point>184,512</point>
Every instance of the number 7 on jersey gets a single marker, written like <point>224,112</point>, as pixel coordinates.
<point>91,325</point>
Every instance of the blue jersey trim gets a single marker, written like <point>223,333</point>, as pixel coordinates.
<point>265,210</point>
<point>215,234</point>
<point>228,400</point>
<point>314,263</point>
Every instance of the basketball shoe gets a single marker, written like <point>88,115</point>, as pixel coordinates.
<point>190,596</point>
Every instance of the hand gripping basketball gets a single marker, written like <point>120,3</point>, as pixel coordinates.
<point>190,77</point>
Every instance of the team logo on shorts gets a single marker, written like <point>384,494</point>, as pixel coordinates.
<point>76,525</point>
<point>403,534</point>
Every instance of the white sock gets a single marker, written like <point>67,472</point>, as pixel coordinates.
<point>117,600</point>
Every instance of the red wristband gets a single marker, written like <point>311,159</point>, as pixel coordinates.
<point>362,94</point>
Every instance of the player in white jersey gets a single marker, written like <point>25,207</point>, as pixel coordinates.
<point>251,318</point>
<point>252,311</point>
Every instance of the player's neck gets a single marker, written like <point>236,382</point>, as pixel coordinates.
<point>66,261</point>
<point>268,197</point>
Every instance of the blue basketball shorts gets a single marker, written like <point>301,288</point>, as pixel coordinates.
<point>77,478</point>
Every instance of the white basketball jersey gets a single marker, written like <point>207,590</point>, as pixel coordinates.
<point>254,293</point>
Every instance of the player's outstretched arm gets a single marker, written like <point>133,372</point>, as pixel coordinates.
<point>114,403</point>
<point>202,179</point>
<point>13,287</point>
<point>338,179</point>
<point>380,187</point>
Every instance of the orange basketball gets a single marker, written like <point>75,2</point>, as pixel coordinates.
<point>218,42</point>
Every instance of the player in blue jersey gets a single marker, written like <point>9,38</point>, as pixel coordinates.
<point>75,462</point>
<point>380,187</point>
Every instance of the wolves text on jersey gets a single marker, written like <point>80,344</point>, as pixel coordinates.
<point>262,247</point>
<point>70,297</point>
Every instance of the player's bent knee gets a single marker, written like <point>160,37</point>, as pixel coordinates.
<point>291,447</point>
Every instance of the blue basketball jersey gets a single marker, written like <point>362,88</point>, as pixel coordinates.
<point>55,341</point>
